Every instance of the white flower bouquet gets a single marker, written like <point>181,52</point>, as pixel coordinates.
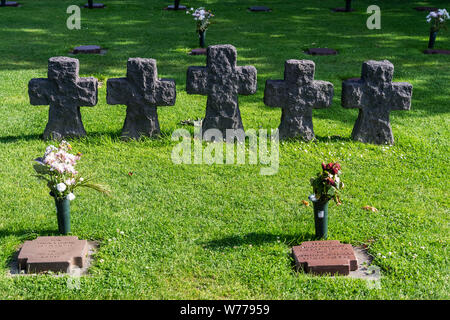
<point>202,17</point>
<point>57,168</point>
<point>438,19</point>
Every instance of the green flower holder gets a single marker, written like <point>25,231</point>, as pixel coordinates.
<point>63,214</point>
<point>320,217</point>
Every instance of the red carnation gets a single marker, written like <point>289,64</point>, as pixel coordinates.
<point>331,182</point>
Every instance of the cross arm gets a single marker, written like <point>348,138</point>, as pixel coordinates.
<point>275,93</point>
<point>321,94</point>
<point>87,91</point>
<point>352,92</point>
<point>401,96</point>
<point>39,91</point>
<point>196,82</point>
<point>118,91</point>
<point>166,92</point>
<point>247,80</point>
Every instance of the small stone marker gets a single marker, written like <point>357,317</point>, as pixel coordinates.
<point>198,52</point>
<point>436,51</point>
<point>141,91</point>
<point>297,95</point>
<point>5,3</point>
<point>375,95</point>
<point>260,9</point>
<point>89,49</point>
<point>57,254</point>
<point>321,51</point>
<point>222,81</point>
<point>92,5</point>
<point>426,9</point>
<point>348,7</point>
<point>65,92</point>
<point>329,256</point>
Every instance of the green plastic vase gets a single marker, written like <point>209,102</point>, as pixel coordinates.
<point>432,39</point>
<point>201,37</point>
<point>320,217</point>
<point>63,214</point>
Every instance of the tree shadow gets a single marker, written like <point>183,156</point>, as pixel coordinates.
<point>13,139</point>
<point>257,239</point>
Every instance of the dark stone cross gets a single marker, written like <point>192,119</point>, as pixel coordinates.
<point>141,91</point>
<point>297,95</point>
<point>65,92</point>
<point>221,80</point>
<point>375,95</point>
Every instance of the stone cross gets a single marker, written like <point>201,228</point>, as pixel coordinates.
<point>141,91</point>
<point>297,95</point>
<point>221,80</point>
<point>65,92</point>
<point>375,95</point>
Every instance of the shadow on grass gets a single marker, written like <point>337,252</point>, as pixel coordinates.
<point>257,239</point>
<point>12,139</point>
<point>28,234</point>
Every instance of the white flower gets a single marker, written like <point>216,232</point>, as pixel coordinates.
<point>81,179</point>
<point>61,187</point>
<point>69,182</point>
<point>433,14</point>
<point>49,149</point>
<point>70,196</point>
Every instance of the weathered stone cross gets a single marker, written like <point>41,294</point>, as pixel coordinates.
<point>141,91</point>
<point>221,80</point>
<point>375,95</point>
<point>65,92</point>
<point>297,95</point>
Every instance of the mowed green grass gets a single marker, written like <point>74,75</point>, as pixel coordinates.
<point>225,231</point>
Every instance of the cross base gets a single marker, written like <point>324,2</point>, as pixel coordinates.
<point>222,123</point>
<point>372,128</point>
<point>64,122</point>
<point>295,127</point>
<point>140,121</point>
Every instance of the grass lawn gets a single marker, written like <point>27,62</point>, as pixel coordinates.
<point>222,231</point>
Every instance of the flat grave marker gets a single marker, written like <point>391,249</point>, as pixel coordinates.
<point>88,49</point>
<point>325,257</point>
<point>92,5</point>
<point>321,51</point>
<point>259,9</point>
<point>56,254</point>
